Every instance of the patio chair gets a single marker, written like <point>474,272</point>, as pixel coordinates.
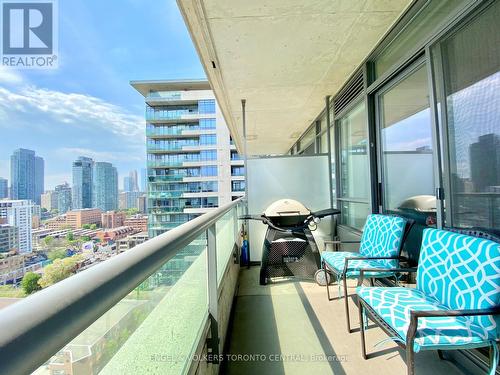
<point>380,247</point>
<point>455,304</point>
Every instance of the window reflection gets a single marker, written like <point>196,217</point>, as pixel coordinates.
<point>472,108</point>
<point>406,137</point>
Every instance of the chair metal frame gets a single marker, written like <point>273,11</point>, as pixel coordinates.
<point>408,346</point>
<point>409,224</point>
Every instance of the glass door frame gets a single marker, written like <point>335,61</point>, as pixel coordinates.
<point>422,61</point>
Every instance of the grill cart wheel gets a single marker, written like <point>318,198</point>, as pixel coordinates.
<point>319,277</point>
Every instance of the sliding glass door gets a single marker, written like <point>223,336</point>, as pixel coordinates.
<point>406,158</point>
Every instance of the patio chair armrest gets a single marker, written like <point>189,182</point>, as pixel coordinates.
<point>415,314</point>
<point>471,312</point>
<point>363,270</point>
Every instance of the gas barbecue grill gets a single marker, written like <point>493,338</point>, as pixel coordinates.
<point>289,248</point>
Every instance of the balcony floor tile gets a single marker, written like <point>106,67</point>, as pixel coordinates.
<point>294,320</point>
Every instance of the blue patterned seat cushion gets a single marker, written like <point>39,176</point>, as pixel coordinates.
<point>461,272</point>
<point>382,236</point>
<point>336,261</point>
<point>393,305</point>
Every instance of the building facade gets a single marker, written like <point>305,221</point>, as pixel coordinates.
<point>131,241</point>
<point>130,182</point>
<point>49,200</point>
<point>139,222</point>
<point>39,178</point>
<point>129,199</point>
<point>17,213</point>
<point>113,219</point>
<point>64,198</point>
<point>105,187</point>
<point>82,183</point>
<point>4,188</point>
<point>26,175</point>
<point>77,218</point>
<point>8,238</point>
<point>188,152</point>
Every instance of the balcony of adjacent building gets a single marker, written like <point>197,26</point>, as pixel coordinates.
<point>331,91</point>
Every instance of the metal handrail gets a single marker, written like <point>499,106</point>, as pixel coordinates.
<point>34,329</point>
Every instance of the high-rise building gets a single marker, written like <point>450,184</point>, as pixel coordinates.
<point>130,182</point>
<point>142,204</point>
<point>485,162</point>
<point>81,193</point>
<point>49,200</point>
<point>134,184</point>
<point>26,175</point>
<point>64,198</point>
<point>36,216</point>
<point>18,214</point>
<point>144,180</point>
<point>39,178</point>
<point>127,184</point>
<point>128,199</point>
<point>4,188</point>
<point>105,187</point>
<point>188,152</point>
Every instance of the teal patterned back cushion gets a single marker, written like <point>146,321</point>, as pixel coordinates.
<point>382,237</point>
<point>461,272</point>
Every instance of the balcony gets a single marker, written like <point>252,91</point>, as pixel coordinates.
<point>156,308</point>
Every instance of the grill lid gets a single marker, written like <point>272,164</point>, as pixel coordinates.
<point>286,207</point>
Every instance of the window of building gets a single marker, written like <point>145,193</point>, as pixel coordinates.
<point>354,167</point>
<point>470,114</point>
<point>238,185</point>
<point>406,143</point>
<point>208,155</point>
<point>206,106</point>
<point>237,171</point>
<point>208,139</point>
<point>207,123</point>
<point>208,170</point>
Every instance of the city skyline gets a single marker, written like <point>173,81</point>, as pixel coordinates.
<point>6,180</point>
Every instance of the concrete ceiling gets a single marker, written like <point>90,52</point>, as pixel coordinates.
<point>283,57</point>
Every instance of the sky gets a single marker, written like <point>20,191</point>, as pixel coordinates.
<point>86,107</point>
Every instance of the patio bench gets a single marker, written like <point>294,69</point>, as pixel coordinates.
<point>380,247</point>
<point>455,304</point>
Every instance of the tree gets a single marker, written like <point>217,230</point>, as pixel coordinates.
<point>85,238</point>
<point>70,237</point>
<point>93,226</point>
<point>48,240</point>
<point>57,253</point>
<point>30,282</point>
<point>86,226</point>
<point>59,270</point>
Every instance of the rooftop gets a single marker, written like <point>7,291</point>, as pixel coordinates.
<point>146,86</point>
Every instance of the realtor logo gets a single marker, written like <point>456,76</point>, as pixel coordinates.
<point>29,34</point>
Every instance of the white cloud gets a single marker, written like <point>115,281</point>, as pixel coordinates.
<point>73,108</point>
<point>10,76</point>
<point>98,155</point>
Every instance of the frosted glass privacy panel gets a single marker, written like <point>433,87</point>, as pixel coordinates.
<point>303,178</point>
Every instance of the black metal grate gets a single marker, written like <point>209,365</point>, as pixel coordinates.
<point>349,93</point>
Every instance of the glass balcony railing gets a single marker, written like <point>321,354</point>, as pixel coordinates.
<point>174,177</point>
<point>165,194</point>
<point>142,311</point>
<point>170,115</point>
<point>168,147</point>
